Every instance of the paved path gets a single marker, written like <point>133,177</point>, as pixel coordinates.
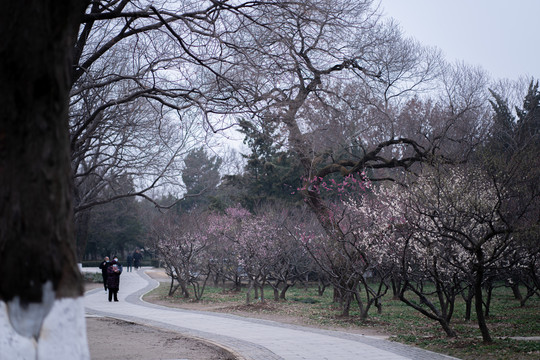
<point>250,339</point>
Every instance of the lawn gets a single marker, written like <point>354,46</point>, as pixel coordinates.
<point>405,325</point>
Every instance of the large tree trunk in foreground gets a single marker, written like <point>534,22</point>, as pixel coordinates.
<point>41,309</point>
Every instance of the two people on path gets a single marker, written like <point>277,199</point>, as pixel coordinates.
<point>134,259</point>
<point>111,270</point>
<point>113,278</point>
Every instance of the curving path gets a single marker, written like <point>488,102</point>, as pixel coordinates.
<point>249,339</point>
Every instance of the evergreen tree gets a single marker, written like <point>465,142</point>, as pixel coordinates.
<point>201,177</point>
<point>271,174</point>
<point>512,155</point>
<point>528,123</point>
<point>502,137</point>
<point>510,133</point>
<point>114,227</point>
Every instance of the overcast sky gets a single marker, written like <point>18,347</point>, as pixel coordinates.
<point>501,36</point>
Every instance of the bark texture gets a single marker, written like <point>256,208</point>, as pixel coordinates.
<point>36,217</point>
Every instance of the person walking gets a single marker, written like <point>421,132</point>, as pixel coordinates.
<point>129,261</point>
<point>137,257</point>
<point>113,279</point>
<point>104,266</point>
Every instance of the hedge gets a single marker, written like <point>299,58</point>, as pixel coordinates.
<point>95,263</point>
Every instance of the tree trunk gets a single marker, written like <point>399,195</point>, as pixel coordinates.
<point>237,283</point>
<point>321,288</point>
<point>378,305</point>
<point>284,291</point>
<point>276,294</point>
<point>82,221</point>
<point>468,303</point>
<point>337,296</point>
<point>516,292</point>
<point>248,292</point>
<point>487,303</point>
<point>478,299</point>
<point>346,309</point>
<point>514,285</point>
<point>363,309</point>
<point>41,309</point>
<point>262,291</point>
<point>172,288</point>
<point>256,288</point>
<point>447,329</point>
<point>396,287</point>
<point>429,310</point>
<point>184,287</point>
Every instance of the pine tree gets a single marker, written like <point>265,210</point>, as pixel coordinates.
<point>503,133</point>
<point>271,173</point>
<point>528,123</point>
<point>201,177</point>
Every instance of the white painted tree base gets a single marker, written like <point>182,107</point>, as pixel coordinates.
<point>62,334</point>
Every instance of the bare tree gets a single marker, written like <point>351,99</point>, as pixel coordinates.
<point>303,58</point>
<point>131,112</point>
<point>143,92</point>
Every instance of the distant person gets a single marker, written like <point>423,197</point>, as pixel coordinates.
<point>137,257</point>
<point>129,262</point>
<point>113,278</point>
<point>104,266</point>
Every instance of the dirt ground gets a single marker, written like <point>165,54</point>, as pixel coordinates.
<point>122,340</point>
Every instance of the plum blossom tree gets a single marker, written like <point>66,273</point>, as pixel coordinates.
<point>290,262</point>
<point>415,259</point>
<point>378,229</point>
<point>183,243</point>
<point>259,246</point>
<point>449,231</point>
<point>427,281</point>
<point>527,270</point>
<point>256,242</point>
<point>462,228</point>
<point>352,263</point>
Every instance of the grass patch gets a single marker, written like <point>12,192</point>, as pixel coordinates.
<point>472,349</point>
<point>507,319</point>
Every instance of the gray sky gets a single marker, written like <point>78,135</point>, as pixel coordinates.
<point>501,36</point>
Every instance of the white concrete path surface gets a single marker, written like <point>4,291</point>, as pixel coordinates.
<point>250,339</point>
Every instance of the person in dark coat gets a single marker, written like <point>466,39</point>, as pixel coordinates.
<point>137,257</point>
<point>103,266</point>
<point>113,279</point>
<point>129,260</point>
